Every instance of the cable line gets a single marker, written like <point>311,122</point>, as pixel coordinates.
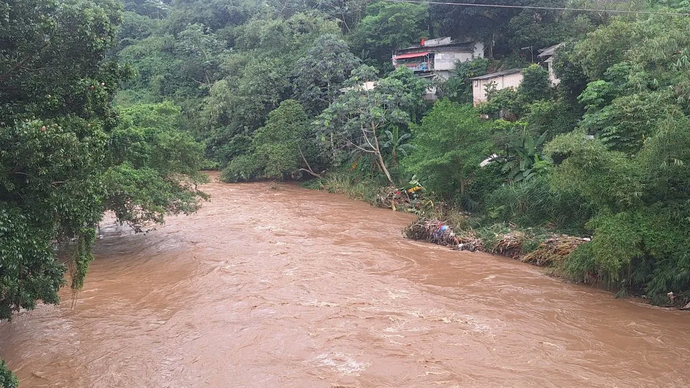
<point>538,7</point>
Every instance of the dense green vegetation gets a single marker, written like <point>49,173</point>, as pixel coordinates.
<point>117,104</point>
<point>67,155</point>
<point>298,89</point>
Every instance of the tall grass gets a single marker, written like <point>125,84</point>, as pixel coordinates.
<point>349,184</point>
<point>532,204</point>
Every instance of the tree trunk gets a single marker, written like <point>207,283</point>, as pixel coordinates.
<point>383,167</point>
<point>377,150</point>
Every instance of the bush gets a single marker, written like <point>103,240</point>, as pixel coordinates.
<point>555,117</point>
<point>243,168</point>
<point>7,378</point>
<point>458,88</point>
<point>284,140</point>
<point>486,180</point>
<point>449,145</point>
<point>504,103</point>
<point>536,84</point>
<point>532,203</point>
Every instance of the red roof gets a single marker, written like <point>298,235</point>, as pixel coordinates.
<point>413,55</point>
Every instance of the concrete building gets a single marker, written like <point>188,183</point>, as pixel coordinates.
<point>437,57</point>
<point>503,79</point>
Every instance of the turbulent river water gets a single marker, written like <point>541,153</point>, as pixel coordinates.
<point>285,287</point>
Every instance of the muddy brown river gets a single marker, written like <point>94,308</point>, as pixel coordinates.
<point>288,287</point>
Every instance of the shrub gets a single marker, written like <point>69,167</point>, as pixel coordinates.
<point>532,203</point>
<point>241,169</point>
<point>449,145</point>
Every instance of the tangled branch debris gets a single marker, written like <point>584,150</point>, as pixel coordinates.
<point>392,198</point>
<point>435,231</point>
<point>512,244</point>
<point>432,231</point>
<point>554,250</point>
<point>509,244</point>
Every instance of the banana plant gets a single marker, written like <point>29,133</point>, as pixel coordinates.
<point>396,143</point>
<point>525,158</point>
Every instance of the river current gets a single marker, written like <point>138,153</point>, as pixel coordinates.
<point>278,286</point>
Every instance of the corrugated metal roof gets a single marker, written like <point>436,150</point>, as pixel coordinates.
<point>498,74</point>
<point>549,51</point>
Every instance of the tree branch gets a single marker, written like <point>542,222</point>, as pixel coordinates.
<point>366,137</point>
<point>360,147</point>
<point>308,169</point>
<point>22,63</point>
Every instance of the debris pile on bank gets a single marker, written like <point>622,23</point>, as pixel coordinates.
<point>392,198</point>
<point>470,242</point>
<point>513,244</point>
<point>435,231</point>
<point>509,244</point>
<point>406,199</point>
<point>554,250</point>
<point>431,231</point>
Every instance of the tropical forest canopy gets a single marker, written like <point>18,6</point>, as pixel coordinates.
<point>110,105</point>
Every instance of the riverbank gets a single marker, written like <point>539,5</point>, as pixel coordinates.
<point>543,247</point>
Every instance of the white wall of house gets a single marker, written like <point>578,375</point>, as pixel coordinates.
<point>447,60</point>
<point>502,82</point>
<point>478,50</point>
<point>437,41</point>
<point>547,56</point>
<point>430,94</point>
<point>552,74</point>
<point>364,86</point>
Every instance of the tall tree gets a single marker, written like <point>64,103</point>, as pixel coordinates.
<point>320,74</point>
<point>200,54</point>
<point>358,118</point>
<point>481,22</point>
<point>56,126</point>
<point>535,84</point>
<point>55,118</point>
<point>156,9</point>
<point>387,27</point>
<point>148,156</point>
<point>449,144</point>
<point>214,14</point>
<point>348,13</point>
<point>284,144</point>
